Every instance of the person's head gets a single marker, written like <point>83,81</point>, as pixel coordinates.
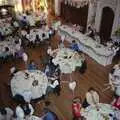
<point>6,49</point>
<point>89,27</point>
<point>73,41</point>
<point>47,103</point>
<point>37,36</point>
<point>49,47</point>
<point>76,100</point>
<point>3,111</point>
<point>116,96</point>
<point>91,90</point>
<point>32,62</point>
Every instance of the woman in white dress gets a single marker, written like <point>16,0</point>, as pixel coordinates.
<point>91,98</point>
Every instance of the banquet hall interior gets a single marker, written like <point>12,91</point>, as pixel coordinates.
<point>60,58</point>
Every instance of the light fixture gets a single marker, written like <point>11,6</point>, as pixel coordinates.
<point>4,11</point>
<point>79,3</point>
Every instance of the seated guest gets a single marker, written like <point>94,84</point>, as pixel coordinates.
<point>47,70</point>
<point>43,35</point>
<point>116,102</point>
<point>74,46</point>
<point>6,114</point>
<point>25,57</point>
<point>50,51</point>
<point>51,32</point>
<point>90,32</point>
<point>13,70</point>
<point>32,65</point>
<point>92,98</point>
<point>53,83</point>
<point>23,111</point>
<point>49,115</point>
<point>37,39</point>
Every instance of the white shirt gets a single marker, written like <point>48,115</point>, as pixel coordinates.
<point>91,96</point>
<point>25,57</point>
<point>62,38</point>
<point>27,96</point>
<point>12,70</point>
<point>8,116</point>
<point>49,52</point>
<point>19,113</point>
<point>55,83</point>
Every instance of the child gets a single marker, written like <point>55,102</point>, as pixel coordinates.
<point>76,107</point>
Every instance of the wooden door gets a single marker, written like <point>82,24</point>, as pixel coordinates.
<point>106,24</point>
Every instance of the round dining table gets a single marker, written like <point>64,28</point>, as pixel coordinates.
<point>67,60</point>
<point>101,112</point>
<point>29,84</point>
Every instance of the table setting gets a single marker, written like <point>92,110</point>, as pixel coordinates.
<point>31,84</point>
<point>33,117</point>
<point>99,112</point>
<point>97,51</point>
<point>34,32</point>
<point>67,59</point>
<point>8,48</point>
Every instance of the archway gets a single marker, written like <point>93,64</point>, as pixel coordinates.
<point>106,24</point>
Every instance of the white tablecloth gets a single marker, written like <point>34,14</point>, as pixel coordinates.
<point>5,26</point>
<point>27,82</point>
<point>10,45</point>
<point>101,54</point>
<point>34,118</point>
<point>32,18</point>
<point>104,112</point>
<point>34,32</point>
<point>67,59</point>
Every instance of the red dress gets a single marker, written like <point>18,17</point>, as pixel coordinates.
<point>76,109</point>
<point>117,103</point>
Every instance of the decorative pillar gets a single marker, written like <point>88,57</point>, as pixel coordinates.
<point>116,23</point>
<point>33,5</point>
<point>57,7</point>
<point>18,5</point>
<point>92,13</point>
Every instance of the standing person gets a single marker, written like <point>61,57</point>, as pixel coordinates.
<point>76,107</point>
<point>63,38</point>
<point>91,98</point>
<point>61,45</point>
<point>25,58</point>
<point>90,32</point>
<point>6,114</point>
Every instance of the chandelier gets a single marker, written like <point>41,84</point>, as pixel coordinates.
<point>79,3</point>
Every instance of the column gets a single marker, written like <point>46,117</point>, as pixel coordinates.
<point>92,13</point>
<point>57,7</point>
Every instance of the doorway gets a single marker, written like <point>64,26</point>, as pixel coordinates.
<point>106,24</point>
